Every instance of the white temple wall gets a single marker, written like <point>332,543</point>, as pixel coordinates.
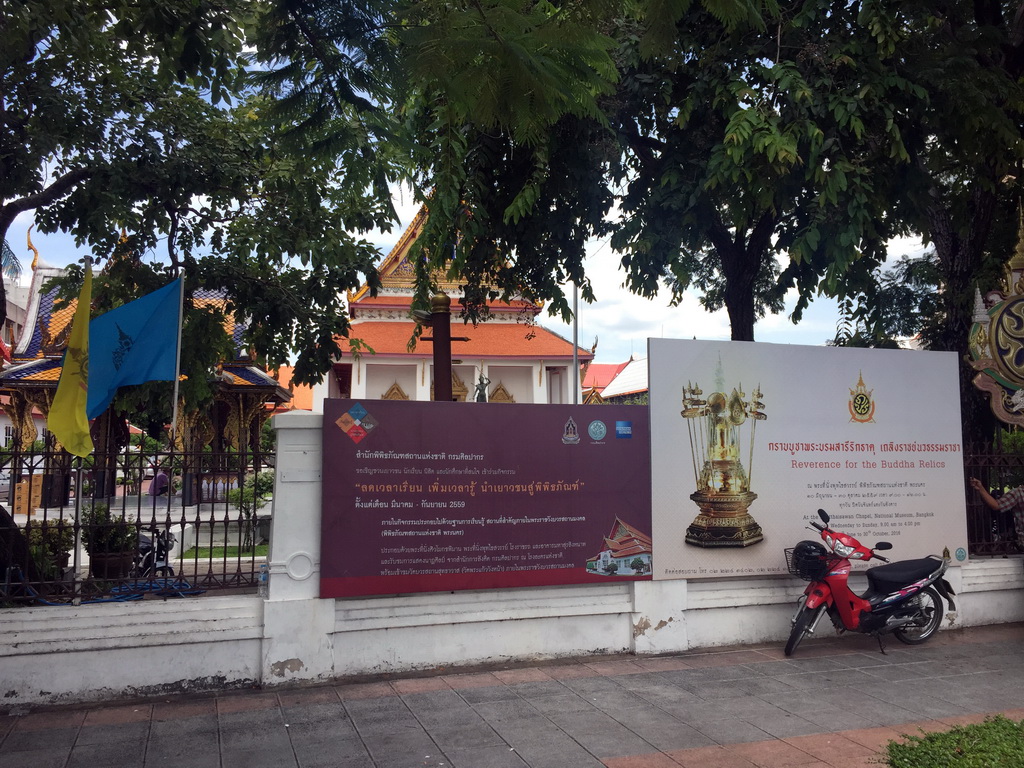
<point>74,654</point>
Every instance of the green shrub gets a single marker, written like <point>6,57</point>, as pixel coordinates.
<point>104,533</point>
<point>996,742</point>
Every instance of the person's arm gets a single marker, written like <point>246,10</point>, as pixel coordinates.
<point>990,501</point>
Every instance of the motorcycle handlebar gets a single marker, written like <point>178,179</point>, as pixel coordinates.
<point>879,557</point>
<point>819,526</point>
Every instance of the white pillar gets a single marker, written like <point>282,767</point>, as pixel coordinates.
<point>298,625</point>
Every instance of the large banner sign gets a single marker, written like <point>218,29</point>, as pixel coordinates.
<point>441,496</point>
<point>750,440</point>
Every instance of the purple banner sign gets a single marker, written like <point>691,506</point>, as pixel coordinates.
<point>428,496</point>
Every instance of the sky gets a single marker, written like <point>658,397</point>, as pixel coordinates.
<point>619,320</point>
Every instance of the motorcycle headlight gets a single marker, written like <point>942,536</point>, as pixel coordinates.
<point>842,550</point>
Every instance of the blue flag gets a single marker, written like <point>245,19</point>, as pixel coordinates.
<point>133,344</point>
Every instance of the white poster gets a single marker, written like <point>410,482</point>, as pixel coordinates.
<point>749,440</point>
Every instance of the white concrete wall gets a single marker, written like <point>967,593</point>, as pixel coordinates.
<point>64,654</point>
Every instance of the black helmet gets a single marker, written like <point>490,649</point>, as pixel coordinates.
<point>809,560</point>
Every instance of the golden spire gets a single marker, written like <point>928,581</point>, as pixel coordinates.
<point>35,251</point>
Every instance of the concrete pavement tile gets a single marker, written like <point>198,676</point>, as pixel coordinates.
<point>185,728</point>
<point>473,680</point>
<point>315,713</point>
<point>101,734</point>
<point>782,724</point>
<point>612,668</point>
<point>138,713</point>
<point>861,660</point>
<point>509,711</point>
<point>723,658</point>
<point>654,760</point>
<point>526,675</point>
<point>194,753</point>
<point>322,730</point>
<point>332,753</point>
<point>420,685</point>
<point>723,689</point>
<point>564,702</point>
<point>592,687</point>
<point>686,678</point>
<point>552,750</point>
<point>480,695</point>
<point>820,664</point>
<point>729,730</point>
<point>466,737</point>
<point>803,701</point>
<point>592,721</point>
<point>570,672</point>
<point>883,713</point>
<point>246,703</point>
<point>25,741</point>
<point>396,747</point>
<point>538,689</point>
<point>357,691</point>
<point>304,697</point>
<point>643,681</point>
<point>832,720</point>
<point>278,757</point>
<point>613,742</point>
<point>772,754</point>
<point>875,739</point>
<point>53,757</point>
<point>831,748</point>
<point>663,663</point>
<point>55,720</point>
<point>268,737</point>
<point>773,668</point>
<point>184,709</point>
<point>328,760</point>
<point>485,757</point>
<point>122,754</point>
<point>677,737</point>
<point>709,757</point>
<point>250,719</point>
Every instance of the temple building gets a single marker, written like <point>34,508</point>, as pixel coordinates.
<point>507,359</point>
<point>29,380</point>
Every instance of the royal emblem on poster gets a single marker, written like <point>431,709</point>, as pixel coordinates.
<point>996,342</point>
<point>862,406</point>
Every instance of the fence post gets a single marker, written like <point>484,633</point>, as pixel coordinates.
<point>291,653</point>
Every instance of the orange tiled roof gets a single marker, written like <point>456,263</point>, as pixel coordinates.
<point>600,375</point>
<point>391,301</point>
<point>487,340</point>
<point>302,394</point>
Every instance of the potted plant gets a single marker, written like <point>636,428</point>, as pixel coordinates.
<point>110,541</point>
<point>50,543</point>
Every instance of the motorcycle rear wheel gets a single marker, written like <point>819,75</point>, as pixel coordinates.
<point>926,622</point>
<point>805,618</point>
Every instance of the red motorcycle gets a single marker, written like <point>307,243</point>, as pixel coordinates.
<point>902,598</point>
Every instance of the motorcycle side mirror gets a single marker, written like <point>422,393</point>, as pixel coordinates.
<point>823,515</point>
<point>883,545</point>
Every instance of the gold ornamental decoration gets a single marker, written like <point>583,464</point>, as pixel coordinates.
<point>722,430</point>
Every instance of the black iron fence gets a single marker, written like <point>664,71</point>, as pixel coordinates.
<point>131,525</point>
<point>990,532</point>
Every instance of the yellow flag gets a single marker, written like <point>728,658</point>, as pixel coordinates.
<point>67,420</point>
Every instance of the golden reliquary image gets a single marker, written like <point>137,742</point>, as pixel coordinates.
<point>722,429</point>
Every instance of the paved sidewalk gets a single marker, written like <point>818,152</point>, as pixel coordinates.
<point>836,703</point>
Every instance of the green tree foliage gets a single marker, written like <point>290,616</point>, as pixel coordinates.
<point>756,158</point>
<point>121,118</point>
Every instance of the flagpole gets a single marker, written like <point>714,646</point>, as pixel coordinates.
<point>177,363</point>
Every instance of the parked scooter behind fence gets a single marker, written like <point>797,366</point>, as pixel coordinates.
<point>902,598</point>
<point>152,560</point>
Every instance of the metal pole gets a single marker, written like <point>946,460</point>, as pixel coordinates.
<point>575,344</point>
<point>441,326</point>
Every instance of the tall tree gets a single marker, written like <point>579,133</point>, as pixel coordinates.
<point>758,159</point>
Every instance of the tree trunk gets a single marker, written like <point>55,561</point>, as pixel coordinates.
<point>960,258</point>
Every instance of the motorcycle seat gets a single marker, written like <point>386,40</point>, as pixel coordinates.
<point>884,579</point>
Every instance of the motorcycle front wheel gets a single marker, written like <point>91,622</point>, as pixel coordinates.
<point>805,619</point>
<point>927,620</point>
